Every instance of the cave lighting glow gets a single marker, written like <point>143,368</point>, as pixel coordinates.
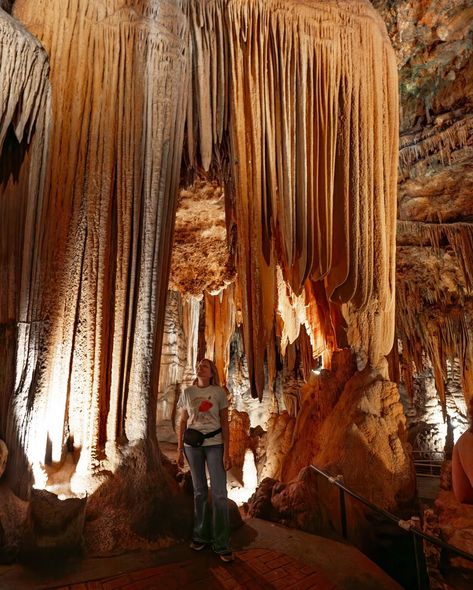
<point>49,424</point>
<point>250,480</point>
<point>56,409</point>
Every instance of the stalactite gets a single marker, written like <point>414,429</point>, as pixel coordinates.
<point>435,143</point>
<point>305,310</point>
<point>458,235</point>
<point>291,309</point>
<point>313,126</point>
<point>191,309</point>
<point>436,337</point>
<point>119,77</point>
<point>220,323</point>
<point>433,313</point>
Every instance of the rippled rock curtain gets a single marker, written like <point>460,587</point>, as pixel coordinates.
<point>119,79</point>
<point>24,131</point>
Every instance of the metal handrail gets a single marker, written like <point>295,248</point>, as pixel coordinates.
<point>440,454</point>
<point>428,467</point>
<point>403,524</point>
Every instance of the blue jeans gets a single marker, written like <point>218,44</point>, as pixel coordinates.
<point>219,533</point>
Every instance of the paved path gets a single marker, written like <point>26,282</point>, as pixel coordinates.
<point>253,569</point>
<point>268,556</point>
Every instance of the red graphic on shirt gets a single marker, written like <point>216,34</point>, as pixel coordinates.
<point>205,406</point>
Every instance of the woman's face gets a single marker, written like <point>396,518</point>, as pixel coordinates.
<point>204,370</point>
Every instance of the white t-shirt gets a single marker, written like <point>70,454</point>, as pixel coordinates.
<point>203,404</point>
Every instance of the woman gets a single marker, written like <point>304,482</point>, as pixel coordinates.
<point>462,464</point>
<point>204,407</point>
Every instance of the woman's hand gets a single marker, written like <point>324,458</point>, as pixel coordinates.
<point>227,464</point>
<point>180,458</point>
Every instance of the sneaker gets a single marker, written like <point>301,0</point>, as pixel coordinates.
<point>227,557</point>
<point>197,545</point>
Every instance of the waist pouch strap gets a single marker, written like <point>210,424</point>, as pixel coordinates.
<point>213,433</point>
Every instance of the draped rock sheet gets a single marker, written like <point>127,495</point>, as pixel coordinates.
<point>191,313</point>
<point>313,126</point>
<point>24,131</point>
<point>119,79</point>
<point>220,323</point>
<point>173,358</point>
<point>178,359</point>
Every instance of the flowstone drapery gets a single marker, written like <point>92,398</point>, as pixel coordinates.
<point>313,125</point>
<point>25,96</point>
<point>119,80</point>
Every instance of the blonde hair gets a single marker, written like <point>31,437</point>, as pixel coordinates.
<point>214,379</point>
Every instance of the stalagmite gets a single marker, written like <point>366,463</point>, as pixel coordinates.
<point>119,79</point>
<point>313,126</point>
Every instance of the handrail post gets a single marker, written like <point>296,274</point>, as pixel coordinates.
<point>418,550</point>
<point>343,511</point>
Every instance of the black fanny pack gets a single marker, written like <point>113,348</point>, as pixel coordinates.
<point>195,438</point>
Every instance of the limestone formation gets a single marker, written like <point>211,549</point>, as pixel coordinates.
<point>52,525</point>
<point>220,323</point>
<point>434,316</point>
<point>428,433</point>
<point>112,178</point>
<point>358,421</point>
<point>239,441</point>
<point>172,367</point>
<point>455,522</point>
<point>119,81</point>
<point>25,115</point>
<point>201,259</point>
<point>13,513</point>
<point>290,204</point>
<point>434,54</point>
<point>278,443</point>
<point>278,120</point>
<point>3,457</point>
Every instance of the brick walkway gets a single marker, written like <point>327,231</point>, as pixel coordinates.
<point>253,569</point>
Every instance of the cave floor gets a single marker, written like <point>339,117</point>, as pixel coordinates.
<point>267,556</point>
